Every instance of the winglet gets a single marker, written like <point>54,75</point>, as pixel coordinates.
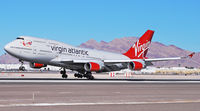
<point>188,56</point>
<point>191,55</point>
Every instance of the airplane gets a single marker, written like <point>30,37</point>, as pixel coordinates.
<point>42,52</point>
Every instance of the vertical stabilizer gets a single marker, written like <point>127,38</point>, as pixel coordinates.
<point>140,48</point>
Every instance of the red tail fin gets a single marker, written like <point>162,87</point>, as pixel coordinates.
<point>140,48</point>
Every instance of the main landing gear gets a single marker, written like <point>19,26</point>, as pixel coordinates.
<point>22,68</point>
<point>63,72</point>
<point>87,75</point>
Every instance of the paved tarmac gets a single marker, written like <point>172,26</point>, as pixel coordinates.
<point>99,95</point>
<point>49,92</point>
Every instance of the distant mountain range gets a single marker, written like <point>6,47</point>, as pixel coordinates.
<point>121,45</point>
<point>8,59</point>
<point>157,50</point>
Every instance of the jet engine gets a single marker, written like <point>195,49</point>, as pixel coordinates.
<point>135,65</point>
<point>92,66</point>
<point>37,65</point>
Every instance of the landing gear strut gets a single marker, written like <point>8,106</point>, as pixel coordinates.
<point>22,68</point>
<point>63,72</point>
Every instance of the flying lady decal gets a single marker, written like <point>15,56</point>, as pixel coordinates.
<point>27,43</point>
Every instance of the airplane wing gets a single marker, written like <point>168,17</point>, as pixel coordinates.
<point>150,60</point>
<point>66,60</point>
<point>109,65</point>
<point>168,59</point>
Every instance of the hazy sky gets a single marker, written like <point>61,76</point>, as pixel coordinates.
<point>175,22</point>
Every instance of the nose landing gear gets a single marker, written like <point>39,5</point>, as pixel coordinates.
<point>22,68</point>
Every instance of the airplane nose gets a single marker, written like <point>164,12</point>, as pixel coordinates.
<point>7,47</point>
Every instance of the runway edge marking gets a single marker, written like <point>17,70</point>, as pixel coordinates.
<point>100,103</point>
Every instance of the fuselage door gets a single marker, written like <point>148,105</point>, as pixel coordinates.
<point>34,50</point>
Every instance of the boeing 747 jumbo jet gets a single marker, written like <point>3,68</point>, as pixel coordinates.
<point>42,52</point>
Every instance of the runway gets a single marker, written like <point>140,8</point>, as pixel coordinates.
<point>49,92</point>
<point>55,77</point>
<point>98,95</point>
<point>97,81</point>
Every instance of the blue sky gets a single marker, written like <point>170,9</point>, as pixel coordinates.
<point>175,22</point>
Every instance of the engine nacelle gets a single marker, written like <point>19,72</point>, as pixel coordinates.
<point>92,66</point>
<point>37,65</point>
<point>135,65</point>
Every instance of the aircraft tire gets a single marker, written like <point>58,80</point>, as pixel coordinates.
<point>64,76</point>
<point>90,77</point>
<point>22,68</point>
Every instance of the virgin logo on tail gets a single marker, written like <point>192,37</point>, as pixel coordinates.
<point>140,48</point>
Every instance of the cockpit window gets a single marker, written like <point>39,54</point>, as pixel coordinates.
<point>20,38</point>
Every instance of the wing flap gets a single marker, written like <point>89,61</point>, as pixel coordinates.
<point>65,60</point>
<point>119,61</point>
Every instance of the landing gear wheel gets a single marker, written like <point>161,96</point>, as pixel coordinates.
<point>75,75</point>
<point>78,75</point>
<point>22,68</point>
<point>63,72</point>
<point>64,76</point>
<point>89,76</point>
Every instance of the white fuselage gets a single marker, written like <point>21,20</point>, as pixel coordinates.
<point>44,51</point>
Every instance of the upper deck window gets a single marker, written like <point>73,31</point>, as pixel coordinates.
<point>20,38</point>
